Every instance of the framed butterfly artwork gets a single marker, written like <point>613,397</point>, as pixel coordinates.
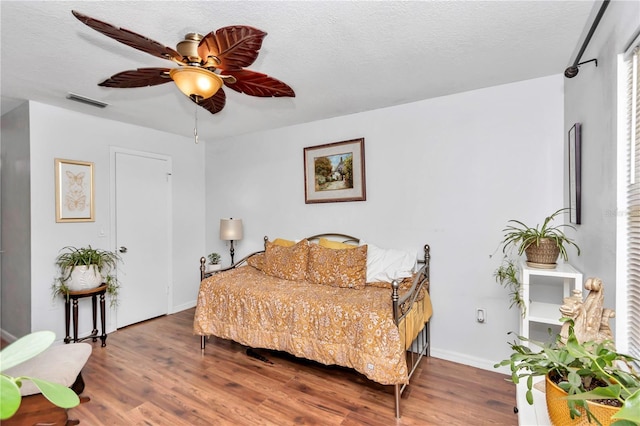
<point>74,191</point>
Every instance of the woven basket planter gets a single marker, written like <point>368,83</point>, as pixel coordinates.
<point>543,255</point>
<point>559,410</point>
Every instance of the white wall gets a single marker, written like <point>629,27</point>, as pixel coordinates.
<point>59,133</point>
<point>448,172</point>
<point>591,99</point>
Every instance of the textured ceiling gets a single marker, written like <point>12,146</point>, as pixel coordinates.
<point>340,57</point>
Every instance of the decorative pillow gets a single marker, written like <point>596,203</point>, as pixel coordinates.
<point>338,268</point>
<point>283,243</point>
<point>289,263</point>
<point>386,265</point>
<point>257,261</point>
<point>337,245</point>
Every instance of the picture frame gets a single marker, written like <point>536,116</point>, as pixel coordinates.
<point>575,173</point>
<point>74,191</point>
<point>335,172</point>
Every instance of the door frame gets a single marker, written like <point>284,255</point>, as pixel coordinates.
<point>113,151</point>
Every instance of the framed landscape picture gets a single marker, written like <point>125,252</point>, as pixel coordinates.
<point>74,191</point>
<point>335,172</point>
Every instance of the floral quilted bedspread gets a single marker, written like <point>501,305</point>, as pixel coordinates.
<point>331,325</point>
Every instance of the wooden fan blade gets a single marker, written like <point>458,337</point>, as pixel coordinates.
<point>138,78</point>
<point>215,103</point>
<point>235,47</point>
<point>130,38</point>
<point>258,84</point>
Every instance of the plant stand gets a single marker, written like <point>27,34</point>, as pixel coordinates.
<point>546,313</point>
<point>72,298</point>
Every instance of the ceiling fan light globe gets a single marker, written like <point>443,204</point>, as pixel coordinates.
<point>196,82</point>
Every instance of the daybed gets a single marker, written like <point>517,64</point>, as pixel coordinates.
<point>325,302</point>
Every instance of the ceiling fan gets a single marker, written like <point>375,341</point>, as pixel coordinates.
<point>205,63</point>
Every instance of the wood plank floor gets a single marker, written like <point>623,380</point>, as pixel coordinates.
<point>154,373</point>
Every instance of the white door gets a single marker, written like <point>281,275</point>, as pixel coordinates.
<point>143,230</point>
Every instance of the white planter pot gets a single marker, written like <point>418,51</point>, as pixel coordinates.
<point>84,277</point>
<point>211,268</point>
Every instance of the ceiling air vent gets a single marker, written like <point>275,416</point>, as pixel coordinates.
<point>86,100</point>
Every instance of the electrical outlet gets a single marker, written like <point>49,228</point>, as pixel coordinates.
<point>481,315</point>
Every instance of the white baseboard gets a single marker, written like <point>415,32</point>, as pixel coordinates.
<point>183,307</point>
<point>472,361</point>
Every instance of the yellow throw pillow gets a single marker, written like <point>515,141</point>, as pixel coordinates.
<point>338,268</point>
<point>283,243</point>
<point>336,245</point>
<point>289,263</point>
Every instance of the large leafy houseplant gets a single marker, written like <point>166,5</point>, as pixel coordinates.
<point>18,352</point>
<point>105,263</point>
<point>522,236</point>
<point>586,371</point>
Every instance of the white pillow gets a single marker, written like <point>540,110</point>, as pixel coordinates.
<point>386,265</point>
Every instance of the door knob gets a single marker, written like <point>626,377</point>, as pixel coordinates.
<point>123,249</point>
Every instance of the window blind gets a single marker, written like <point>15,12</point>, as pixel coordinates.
<point>633,203</point>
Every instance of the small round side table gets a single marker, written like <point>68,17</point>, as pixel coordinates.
<point>71,298</point>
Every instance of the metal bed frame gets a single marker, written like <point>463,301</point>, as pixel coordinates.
<point>401,305</point>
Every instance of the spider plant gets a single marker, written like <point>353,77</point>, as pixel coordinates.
<point>521,236</point>
<point>507,275</point>
<point>103,260</point>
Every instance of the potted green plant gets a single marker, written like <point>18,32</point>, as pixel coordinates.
<point>541,244</point>
<point>214,261</point>
<point>85,268</point>
<point>585,372</point>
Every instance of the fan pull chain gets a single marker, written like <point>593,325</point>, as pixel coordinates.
<point>195,128</point>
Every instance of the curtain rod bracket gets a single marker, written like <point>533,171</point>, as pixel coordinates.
<point>572,71</point>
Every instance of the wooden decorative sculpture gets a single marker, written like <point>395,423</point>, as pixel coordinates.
<point>590,318</point>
